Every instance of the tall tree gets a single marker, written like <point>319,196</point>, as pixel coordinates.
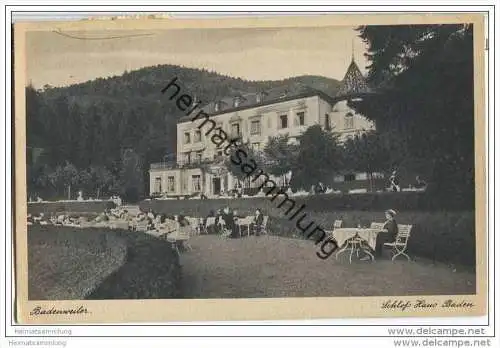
<point>318,158</point>
<point>131,174</point>
<point>102,179</point>
<point>64,178</point>
<point>366,153</point>
<point>280,155</point>
<point>244,154</point>
<point>424,75</point>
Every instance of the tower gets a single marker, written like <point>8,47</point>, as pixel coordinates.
<point>353,82</point>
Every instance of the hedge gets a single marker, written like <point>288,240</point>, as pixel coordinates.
<point>438,235</point>
<point>401,201</point>
<point>70,206</point>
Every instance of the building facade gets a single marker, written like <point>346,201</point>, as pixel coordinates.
<point>254,118</point>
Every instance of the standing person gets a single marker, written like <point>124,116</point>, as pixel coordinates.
<point>228,217</point>
<point>394,180</point>
<point>239,190</point>
<point>321,187</point>
<point>211,213</point>
<point>419,183</point>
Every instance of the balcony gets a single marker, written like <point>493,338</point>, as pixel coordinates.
<point>182,164</point>
<point>163,165</point>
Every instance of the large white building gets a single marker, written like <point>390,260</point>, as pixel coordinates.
<point>254,118</point>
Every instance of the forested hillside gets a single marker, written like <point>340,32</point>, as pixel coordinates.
<point>101,135</point>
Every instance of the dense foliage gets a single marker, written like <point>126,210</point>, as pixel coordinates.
<point>425,101</point>
<point>318,157</point>
<point>101,129</point>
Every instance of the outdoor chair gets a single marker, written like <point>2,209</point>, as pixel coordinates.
<point>195,224</point>
<point>400,245</point>
<point>210,222</point>
<point>246,221</point>
<point>180,235</point>
<point>263,229</point>
<point>337,224</point>
<point>222,229</point>
<point>142,226</point>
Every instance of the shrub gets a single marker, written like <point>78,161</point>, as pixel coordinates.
<point>70,207</point>
<point>377,201</point>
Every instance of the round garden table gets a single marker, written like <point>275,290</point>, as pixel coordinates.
<point>352,238</point>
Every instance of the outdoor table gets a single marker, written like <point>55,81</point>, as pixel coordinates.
<point>368,235</point>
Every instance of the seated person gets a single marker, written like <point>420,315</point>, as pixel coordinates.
<point>150,214</point>
<point>256,226</point>
<point>102,217</point>
<point>419,183</point>
<point>157,221</point>
<point>44,220</point>
<point>150,226</point>
<point>181,219</point>
<point>385,237</point>
<point>59,219</point>
<point>30,220</point>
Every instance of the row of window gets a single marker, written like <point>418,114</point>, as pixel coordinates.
<point>197,156</point>
<point>195,180</point>
<point>197,137</point>
<point>256,127</point>
<point>299,120</point>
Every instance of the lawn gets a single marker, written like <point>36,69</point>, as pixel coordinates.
<point>67,263</point>
<point>271,266</point>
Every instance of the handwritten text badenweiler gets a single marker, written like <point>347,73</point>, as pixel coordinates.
<point>38,310</point>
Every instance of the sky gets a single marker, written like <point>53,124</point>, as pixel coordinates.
<point>252,54</point>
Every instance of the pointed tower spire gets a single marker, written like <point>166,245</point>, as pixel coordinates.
<point>352,49</point>
<point>353,81</point>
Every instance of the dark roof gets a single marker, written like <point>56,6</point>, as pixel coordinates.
<point>353,82</point>
<point>250,100</point>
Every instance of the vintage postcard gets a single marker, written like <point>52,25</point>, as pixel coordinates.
<point>261,168</point>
